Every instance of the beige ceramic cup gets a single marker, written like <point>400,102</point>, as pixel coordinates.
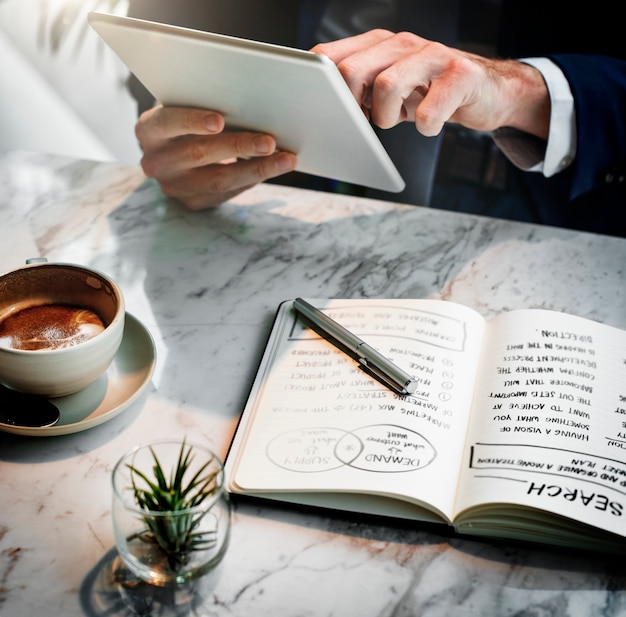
<point>72,357</point>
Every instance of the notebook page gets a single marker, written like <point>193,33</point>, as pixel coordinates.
<point>315,422</point>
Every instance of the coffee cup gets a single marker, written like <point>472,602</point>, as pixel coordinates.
<point>61,325</point>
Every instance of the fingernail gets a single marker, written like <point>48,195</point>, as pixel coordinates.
<point>263,144</point>
<point>285,162</point>
<point>212,123</point>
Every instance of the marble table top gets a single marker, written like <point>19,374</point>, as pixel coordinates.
<point>206,286</point>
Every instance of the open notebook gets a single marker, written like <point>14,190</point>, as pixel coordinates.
<point>517,427</point>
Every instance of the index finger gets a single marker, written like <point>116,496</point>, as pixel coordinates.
<point>165,123</point>
<point>372,56</point>
<point>339,50</point>
<point>353,57</point>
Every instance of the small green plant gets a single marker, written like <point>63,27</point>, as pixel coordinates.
<point>172,524</point>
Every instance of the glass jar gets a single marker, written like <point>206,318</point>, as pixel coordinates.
<point>171,511</point>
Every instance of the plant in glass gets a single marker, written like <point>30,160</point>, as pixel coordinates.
<point>171,511</point>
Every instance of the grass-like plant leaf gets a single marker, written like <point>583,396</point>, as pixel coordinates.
<point>175,528</point>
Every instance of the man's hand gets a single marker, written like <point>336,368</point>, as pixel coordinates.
<point>195,161</point>
<point>399,77</point>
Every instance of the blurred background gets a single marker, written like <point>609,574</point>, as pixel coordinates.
<point>61,89</point>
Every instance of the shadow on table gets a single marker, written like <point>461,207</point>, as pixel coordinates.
<point>111,590</point>
<point>501,563</point>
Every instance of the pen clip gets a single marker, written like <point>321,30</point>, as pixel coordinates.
<point>376,373</point>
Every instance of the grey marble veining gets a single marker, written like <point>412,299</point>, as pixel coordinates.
<point>206,285</point>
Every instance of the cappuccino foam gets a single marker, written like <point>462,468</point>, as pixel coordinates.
<point>49,326</point>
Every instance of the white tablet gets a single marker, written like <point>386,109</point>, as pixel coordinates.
<point>297,96</point>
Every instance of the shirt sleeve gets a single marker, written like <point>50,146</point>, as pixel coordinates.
<point>532,154</point>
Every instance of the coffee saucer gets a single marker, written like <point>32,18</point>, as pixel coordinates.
<point>123,382</point>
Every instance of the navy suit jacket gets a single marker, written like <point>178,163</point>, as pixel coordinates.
<point>589,47</point>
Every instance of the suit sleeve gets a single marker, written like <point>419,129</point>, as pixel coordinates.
<point>598,84</point>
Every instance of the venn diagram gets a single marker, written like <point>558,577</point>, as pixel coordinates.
<point>383,448</point>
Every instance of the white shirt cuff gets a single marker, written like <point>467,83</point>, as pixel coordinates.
<point>561,146</point>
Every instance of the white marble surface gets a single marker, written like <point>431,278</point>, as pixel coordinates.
<point>206,286</point>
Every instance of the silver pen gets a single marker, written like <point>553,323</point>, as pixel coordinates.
<point>370,360</point>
